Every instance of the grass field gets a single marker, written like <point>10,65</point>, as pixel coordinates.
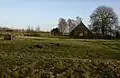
<point>25,55</point>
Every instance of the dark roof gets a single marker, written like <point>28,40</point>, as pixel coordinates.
<point>80,27</point>
<point>9,30</point>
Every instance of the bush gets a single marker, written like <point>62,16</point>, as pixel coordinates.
<point>32,34</point>
<point>1,34</point>
<point>55,31</point>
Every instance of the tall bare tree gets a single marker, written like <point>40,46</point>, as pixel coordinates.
<point>69,23</point>
<point>37,28</point>
<point>62,25</point>
<point>29,29</point>
<point>78,20</point>
<point>72,24</point>
<point>103,20</point>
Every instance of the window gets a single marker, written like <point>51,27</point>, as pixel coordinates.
<point>80,34</point>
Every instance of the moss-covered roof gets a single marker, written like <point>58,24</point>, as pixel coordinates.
<point>80,27</point>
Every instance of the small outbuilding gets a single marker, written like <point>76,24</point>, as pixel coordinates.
<point>9,35</point>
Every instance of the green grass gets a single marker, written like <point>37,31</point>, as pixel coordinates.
<point>65,55</point>
<point>64,48</point>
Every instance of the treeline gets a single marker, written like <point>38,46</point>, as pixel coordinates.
<point>23,32</point>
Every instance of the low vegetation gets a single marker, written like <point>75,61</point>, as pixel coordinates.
<point>59,58</point>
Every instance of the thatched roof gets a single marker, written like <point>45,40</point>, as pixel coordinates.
<point>81,31</point>
<point>80,27</point>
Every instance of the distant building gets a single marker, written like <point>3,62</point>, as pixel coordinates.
<point>9,35</point>
<point>81,31</point>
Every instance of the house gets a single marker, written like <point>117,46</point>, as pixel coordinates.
<point>81,31</point>
<point>9,35</point>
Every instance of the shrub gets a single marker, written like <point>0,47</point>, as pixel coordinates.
<point>32,34</point>
<point>55,31</point>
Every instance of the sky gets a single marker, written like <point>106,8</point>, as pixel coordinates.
<point>45,13</point>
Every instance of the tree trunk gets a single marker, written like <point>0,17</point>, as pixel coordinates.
<point>102,30</point>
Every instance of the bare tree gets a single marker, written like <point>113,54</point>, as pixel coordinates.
<point>62,25</point>
<point>103,20</point>
<point>32,29</point>
<point>59,25</point>
<point>78,20</point>
<point>29,29</point>
<point>72,24</point>
<point>37,29</point>
<point>69,21</point>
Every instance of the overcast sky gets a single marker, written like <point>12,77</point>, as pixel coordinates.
<point>45,13</point>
